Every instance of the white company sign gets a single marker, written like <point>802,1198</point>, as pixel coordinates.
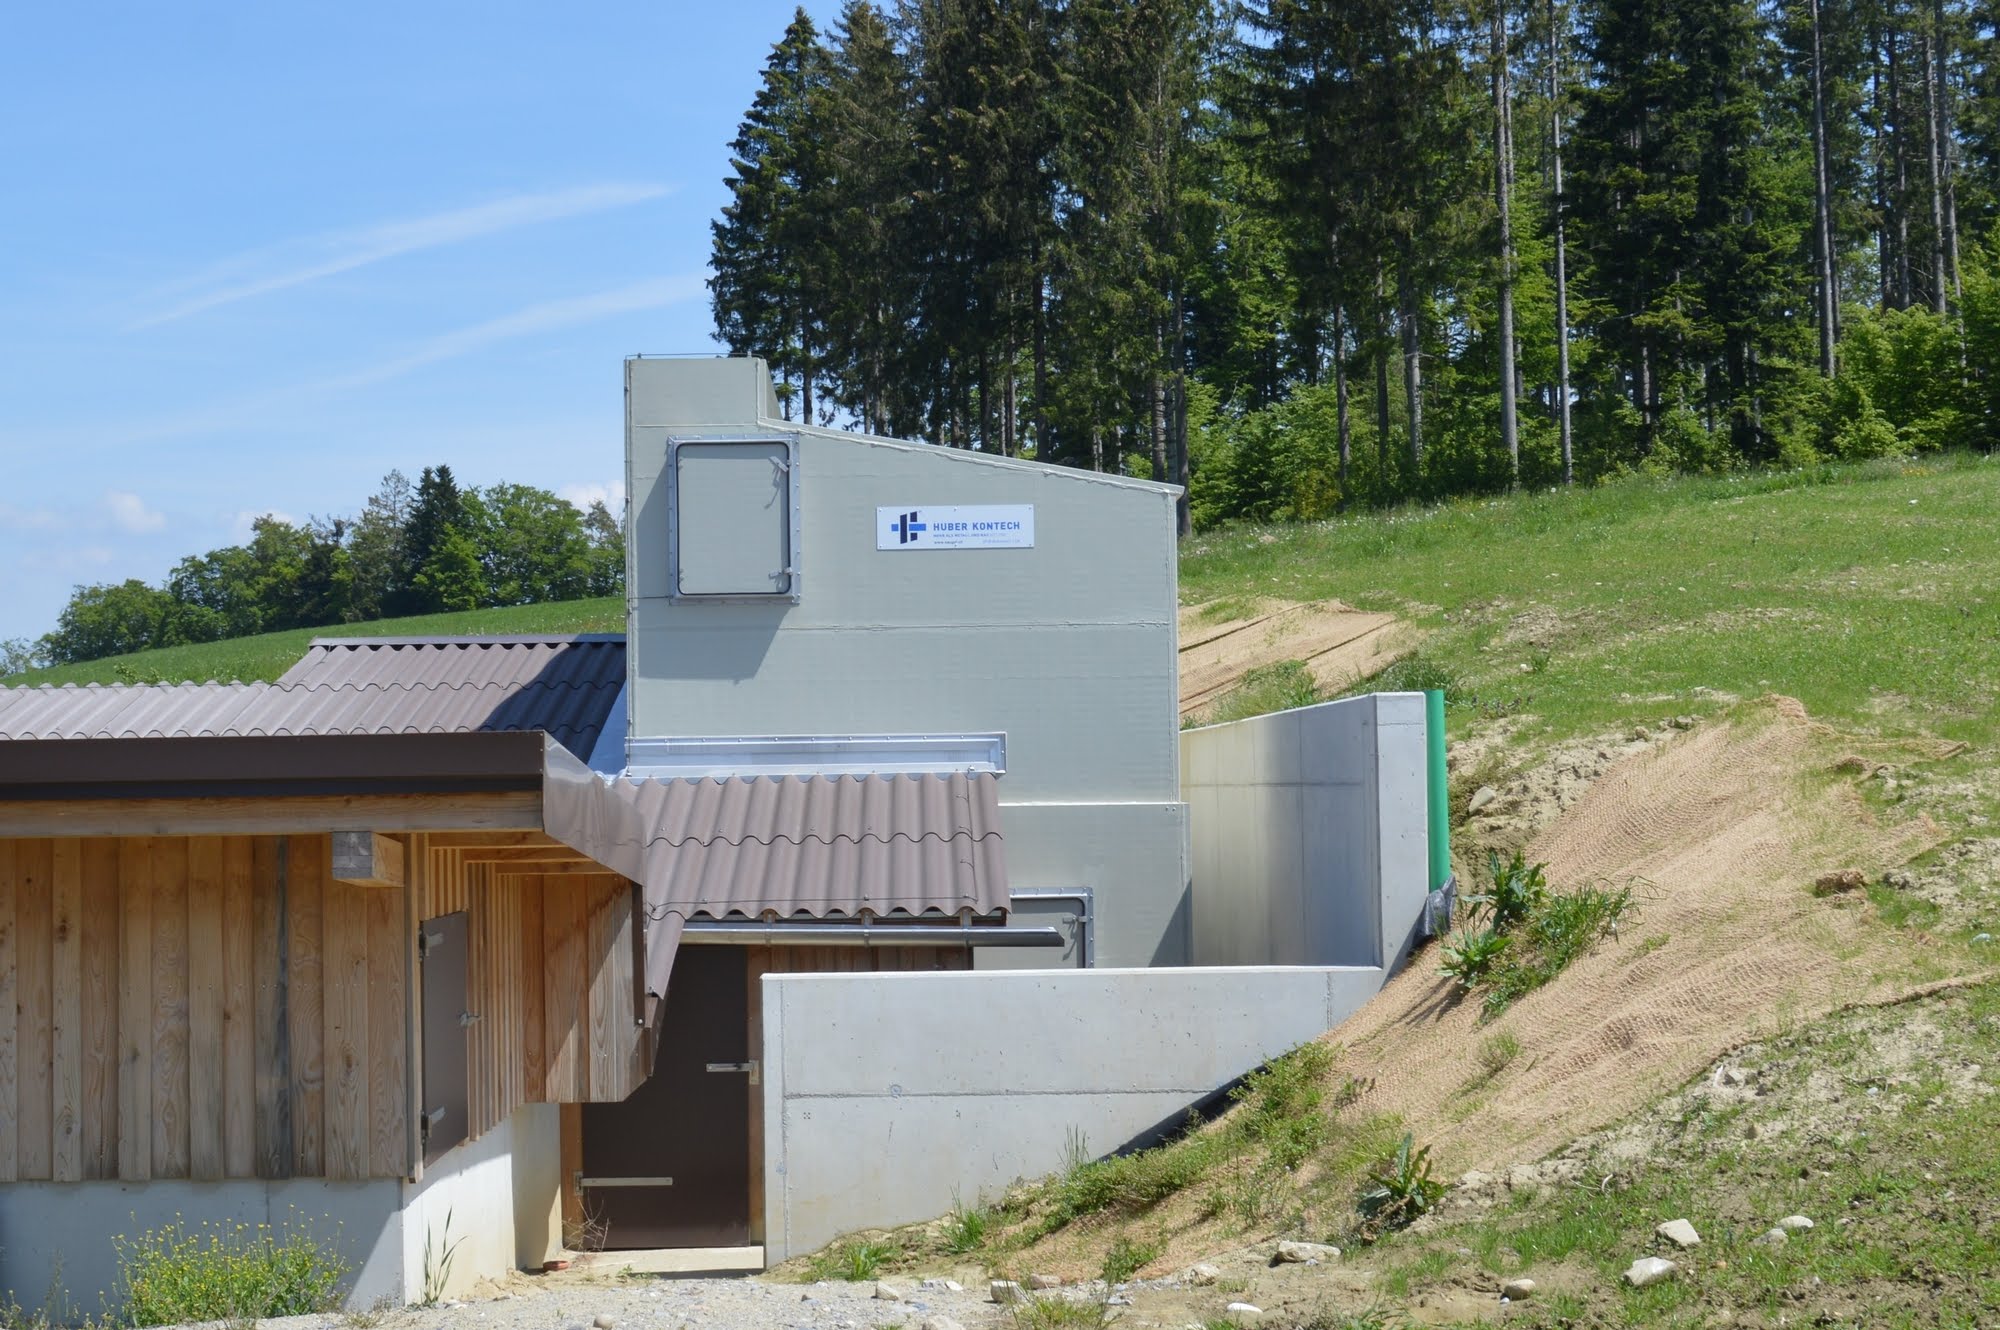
<point>979,527</point>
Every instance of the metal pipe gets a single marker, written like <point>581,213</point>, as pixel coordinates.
<point>867,935</point>
<point>1086,918</point>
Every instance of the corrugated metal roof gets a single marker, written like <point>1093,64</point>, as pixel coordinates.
<point>561,686</point>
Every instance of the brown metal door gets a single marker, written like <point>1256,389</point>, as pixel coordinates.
<point>670,1167</point>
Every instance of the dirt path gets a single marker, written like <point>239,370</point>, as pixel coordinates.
<point>1339,646</point>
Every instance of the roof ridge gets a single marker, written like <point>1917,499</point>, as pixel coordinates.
<point>97,686</point>
<point>471,640</point>
<point>444,685</point>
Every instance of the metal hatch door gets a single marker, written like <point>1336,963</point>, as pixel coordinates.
<point>670,1166</point>
<point>443,951</point>
<point>733,525</point>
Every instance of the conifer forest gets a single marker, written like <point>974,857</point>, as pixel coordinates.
<point>1306,255</point>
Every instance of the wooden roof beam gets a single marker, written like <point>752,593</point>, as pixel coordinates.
<point>367,859</point>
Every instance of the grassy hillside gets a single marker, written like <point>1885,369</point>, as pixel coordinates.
<point>271,654</point>
<point>1866,592</point>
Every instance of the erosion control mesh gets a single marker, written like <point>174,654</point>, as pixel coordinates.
<point>1338,645</point>
<point>1721,834</point>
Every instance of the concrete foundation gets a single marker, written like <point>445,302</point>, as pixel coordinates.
<point>57,1247</point>
<point>889,1095</point>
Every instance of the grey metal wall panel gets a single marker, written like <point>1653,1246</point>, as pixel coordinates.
<point>1079,723</point>
<point>1129,855</point>
<point>1309,830</point>
<point>1068,647</point>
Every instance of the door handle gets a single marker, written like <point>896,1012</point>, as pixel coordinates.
<point>751,1067</point>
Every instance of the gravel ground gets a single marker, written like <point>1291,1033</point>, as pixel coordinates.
<point>662,1303</point>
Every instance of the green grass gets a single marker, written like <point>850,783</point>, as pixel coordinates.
<point>1864,591</point>
<point>856,1262</point>
<point>1903,1191</point>
<point>269,655</point>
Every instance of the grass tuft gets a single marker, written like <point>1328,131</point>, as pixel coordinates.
<point>856,1262</point>
<point>1127,1258</point>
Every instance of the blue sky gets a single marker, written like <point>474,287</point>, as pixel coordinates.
<point>254,256</point>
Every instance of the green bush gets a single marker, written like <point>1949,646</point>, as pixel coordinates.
<point>1564,926</point>
<point>212,1272</point>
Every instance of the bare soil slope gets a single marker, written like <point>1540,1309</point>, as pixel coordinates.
<point>1722,839</point>
<point>1223,642</point>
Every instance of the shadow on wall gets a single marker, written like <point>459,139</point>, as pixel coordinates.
<point>1309,832</point>
<point>57,1246</point>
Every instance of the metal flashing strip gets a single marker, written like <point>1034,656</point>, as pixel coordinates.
<point>724,933</point>
<point>815,755</point>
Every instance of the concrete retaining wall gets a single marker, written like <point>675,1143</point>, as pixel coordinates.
<point>1309,833</point>
<point>887,1095</point>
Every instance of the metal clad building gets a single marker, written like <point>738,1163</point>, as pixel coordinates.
<point>790,583</point>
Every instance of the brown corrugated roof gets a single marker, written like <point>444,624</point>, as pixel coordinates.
<point>563,686</point>
<point>784,847</point>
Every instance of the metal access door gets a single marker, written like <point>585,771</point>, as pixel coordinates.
<point>443,951</point>
<point>670,1167</point>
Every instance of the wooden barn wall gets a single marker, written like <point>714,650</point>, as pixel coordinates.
<point>205,1007</point>
<point>553,982</point>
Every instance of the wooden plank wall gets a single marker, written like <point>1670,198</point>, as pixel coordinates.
<point>552,983</point>
<point>202,1007</point>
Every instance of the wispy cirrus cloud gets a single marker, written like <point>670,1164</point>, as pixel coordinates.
<point>308,259</point>
<point>549,316</point>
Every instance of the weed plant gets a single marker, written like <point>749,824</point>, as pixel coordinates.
<point>965,1229</point>
<point>1127,1258</point>
<point>1059,1313</point>
<point>179,1273</point>
<point>1403,1190</point>
<point>1552,929</point>
<point>856,1262</point>
<point>1286,1118</point>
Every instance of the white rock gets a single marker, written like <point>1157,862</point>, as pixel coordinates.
<point>1795,1223</point>
<point>604,1321</point>
<point>887,1291</point>
<point>1203,1274</point>
<point>1044,1281</point>
<point>1680,1233</point>
<point>940,1323</point>
<point>1482,797</point>
<point>1516,1289</point>
<point>1771,1237</point>
<point>1004,1291</point>
<point>1649,1270</point>
<point>1244,1309</point>
<point>1299,1253</point>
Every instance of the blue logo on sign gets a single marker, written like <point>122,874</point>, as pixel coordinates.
<point>907,527</point>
